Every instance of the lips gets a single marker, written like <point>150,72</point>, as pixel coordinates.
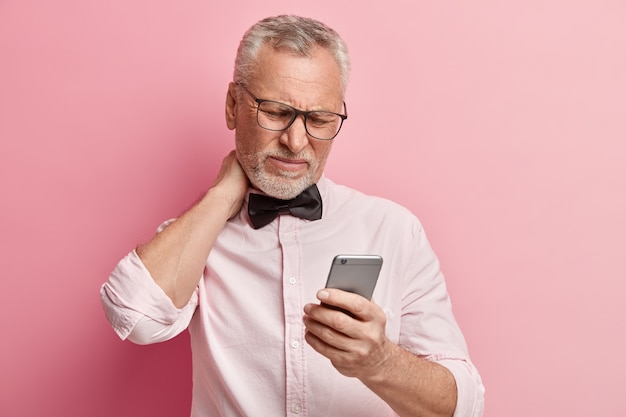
<point>285,164</point>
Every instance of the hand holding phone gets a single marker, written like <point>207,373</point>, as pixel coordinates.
<point>354,273</point>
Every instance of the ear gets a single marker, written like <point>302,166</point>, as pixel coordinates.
<point>231,107</point>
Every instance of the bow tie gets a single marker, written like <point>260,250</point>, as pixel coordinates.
<point>263,209</point>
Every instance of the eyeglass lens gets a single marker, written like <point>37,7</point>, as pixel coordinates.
<point>272,115</point>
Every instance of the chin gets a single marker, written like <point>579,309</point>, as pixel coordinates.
<point>281,186</point>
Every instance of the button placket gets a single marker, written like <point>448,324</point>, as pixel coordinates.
<point>295,362</point>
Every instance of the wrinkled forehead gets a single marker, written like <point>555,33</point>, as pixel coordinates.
<point>306,82</point>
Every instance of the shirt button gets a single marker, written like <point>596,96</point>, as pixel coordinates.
<point>296,408</point>
<point>295,344</point>
<point>292,280</point>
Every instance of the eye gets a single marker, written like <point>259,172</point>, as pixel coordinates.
<point>322,118</point>
<point>275,110</point>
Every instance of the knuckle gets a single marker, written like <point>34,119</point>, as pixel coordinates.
<point>327,335</point>
<point>339,321</point>
<point>358,305</point>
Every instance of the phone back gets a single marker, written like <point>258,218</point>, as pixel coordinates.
<point>355,273</point>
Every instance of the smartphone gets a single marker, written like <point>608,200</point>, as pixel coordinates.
<point>355,273</point>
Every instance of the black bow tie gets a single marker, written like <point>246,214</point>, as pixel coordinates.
<point>263,209</point>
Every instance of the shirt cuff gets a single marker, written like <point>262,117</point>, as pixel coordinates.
<point>470,390</point>
<point>131,293</point>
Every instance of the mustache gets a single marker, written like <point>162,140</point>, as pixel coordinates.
<point>285,153</point>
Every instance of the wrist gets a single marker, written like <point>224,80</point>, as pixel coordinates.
<point>221,202</point>
<point>388,359</point>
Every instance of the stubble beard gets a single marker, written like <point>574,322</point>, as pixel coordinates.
<point>284,185</point>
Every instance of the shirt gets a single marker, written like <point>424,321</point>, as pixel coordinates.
<point>245,318</point>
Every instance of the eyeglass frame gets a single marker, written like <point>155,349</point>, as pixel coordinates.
<point>297,112</point>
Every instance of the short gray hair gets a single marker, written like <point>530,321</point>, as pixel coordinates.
<point>294,34</point>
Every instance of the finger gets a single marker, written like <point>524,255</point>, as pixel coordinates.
<point>323,348</point>
<point>328,335</point>
<point>358,306</point>
<point>346,361</point>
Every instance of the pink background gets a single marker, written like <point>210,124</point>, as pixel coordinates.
<point>502,125</point>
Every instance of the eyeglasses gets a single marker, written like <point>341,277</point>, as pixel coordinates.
<point>277,116</point>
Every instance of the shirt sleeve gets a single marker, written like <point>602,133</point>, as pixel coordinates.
<point>138,309</point>
<point>430,329</point>
<point>470,401</point>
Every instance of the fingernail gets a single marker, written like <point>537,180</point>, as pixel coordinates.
<point>322,295</point>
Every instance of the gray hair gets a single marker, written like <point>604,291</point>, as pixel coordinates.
<point>294,34</point>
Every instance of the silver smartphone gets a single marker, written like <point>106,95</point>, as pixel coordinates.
<point>355,273</point>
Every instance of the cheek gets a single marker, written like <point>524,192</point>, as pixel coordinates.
<point>245,135</point>
<point>251,145</point>
<point>322,150</point>
<point>245,130</point>
<point>321,154</point>
<point>246,151</point>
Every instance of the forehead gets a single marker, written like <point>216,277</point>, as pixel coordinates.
<point>303,81</point>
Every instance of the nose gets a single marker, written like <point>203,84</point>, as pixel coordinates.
<point>295,136</point>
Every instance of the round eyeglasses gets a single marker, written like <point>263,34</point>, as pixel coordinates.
<point>277,116</point>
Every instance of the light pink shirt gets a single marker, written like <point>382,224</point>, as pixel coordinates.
<point>245,319</point>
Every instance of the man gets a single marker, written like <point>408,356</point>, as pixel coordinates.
<point>249,285</point>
